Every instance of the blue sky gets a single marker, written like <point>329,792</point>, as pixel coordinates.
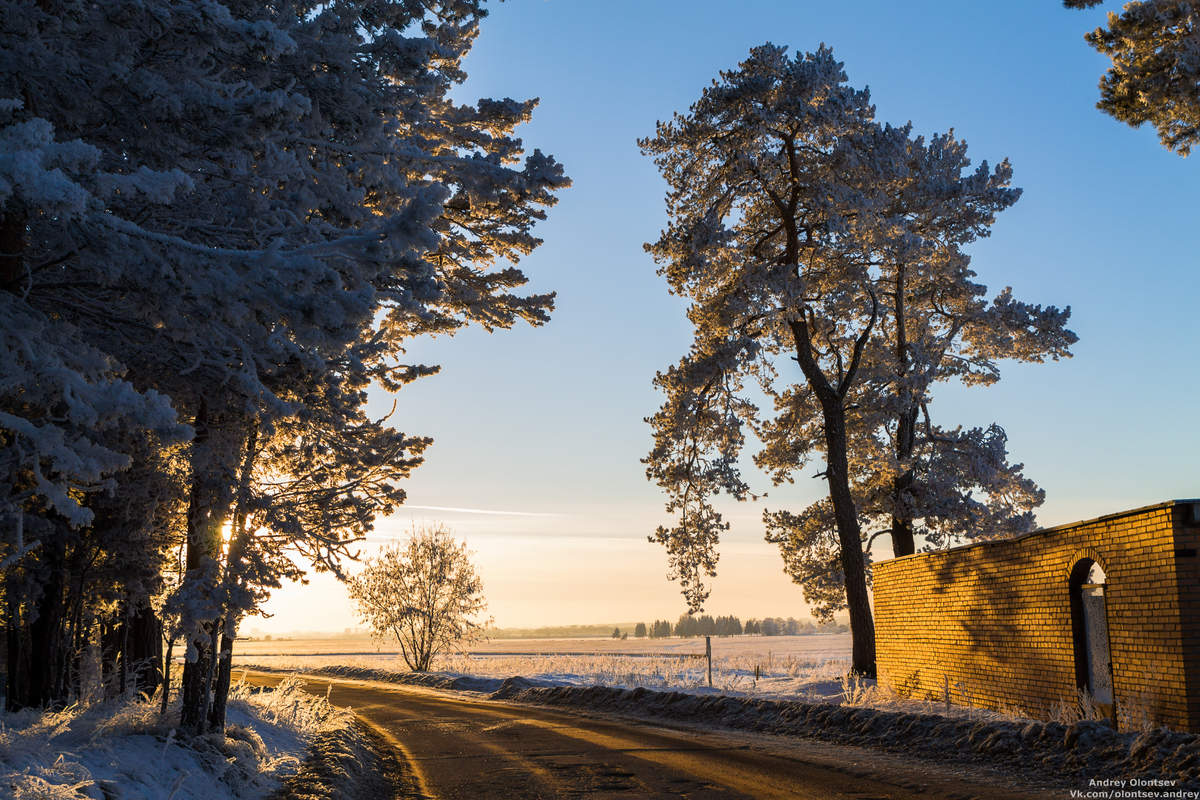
<point>549,421</point>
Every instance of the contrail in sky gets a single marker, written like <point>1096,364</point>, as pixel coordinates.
<point>482,511</point>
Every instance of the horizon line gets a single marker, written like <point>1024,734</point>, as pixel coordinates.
<point>460,510</point>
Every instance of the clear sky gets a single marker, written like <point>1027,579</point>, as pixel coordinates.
<point>547,424</point>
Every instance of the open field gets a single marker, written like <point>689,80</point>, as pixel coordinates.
<point>810,667</point>
<point>813,647</point>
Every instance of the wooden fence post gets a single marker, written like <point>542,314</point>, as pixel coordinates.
<point>708,655</point>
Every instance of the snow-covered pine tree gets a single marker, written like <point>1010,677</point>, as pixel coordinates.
<point>310,485</point>
<point>66,406</point>
<point>911,478</point>
<point>802,230</point>
<point>770,204</point>
<point>492,200</point>
<point>179,296</point>
<point>1155,75</point>
<point>331,202</point>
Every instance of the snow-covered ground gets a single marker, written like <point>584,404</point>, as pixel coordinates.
<point>793,678</point>
<point>127,750</point>
<point>802,647</point>
<point>792,666</point>
<point>808,668</point>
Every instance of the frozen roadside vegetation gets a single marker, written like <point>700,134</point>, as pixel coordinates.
<point>807,678</point>
<point>127,750</point>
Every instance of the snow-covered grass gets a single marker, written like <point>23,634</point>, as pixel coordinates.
<point>746,673</point>
<point>810,646</point>
<point>127,750</point>
<point>730,674</point>
<point>807,668</point>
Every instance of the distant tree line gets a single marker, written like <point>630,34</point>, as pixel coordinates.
<point>559,631</point>
<point>705,625</point>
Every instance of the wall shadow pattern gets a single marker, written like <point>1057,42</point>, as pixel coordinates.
<point>992,621</point>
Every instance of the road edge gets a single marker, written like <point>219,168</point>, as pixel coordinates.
<point>350,763</point>
<point>1084,749</point>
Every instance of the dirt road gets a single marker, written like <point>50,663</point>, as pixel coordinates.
<point>468,748</point>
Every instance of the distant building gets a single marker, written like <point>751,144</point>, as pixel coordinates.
<point>1109,607</point>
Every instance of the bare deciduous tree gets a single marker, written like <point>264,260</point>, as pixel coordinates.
<point>425,592</point>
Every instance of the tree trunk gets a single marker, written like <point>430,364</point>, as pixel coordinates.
<point>111,634</point>
<point>16,694</point>
<point>195,695</point>
<point>12,248</point>
<point>903,540</point>
<point>210,677</point>
<point>845,513</point>
<point>78,645</point>
<point>214,448</point>
<point>858,600</point>
<point>144,649</point>
<point>166,682</point>
<point>238,543</point>
<point>16,690</point>
<point>216,720</point>
<point>46,642</point>
<point>123,642</point>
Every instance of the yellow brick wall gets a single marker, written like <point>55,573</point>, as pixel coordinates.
<point>993,620</point>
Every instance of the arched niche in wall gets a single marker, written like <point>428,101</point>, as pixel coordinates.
<point>1089,623</point>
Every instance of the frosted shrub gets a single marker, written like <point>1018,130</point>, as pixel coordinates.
<point>289,705</point>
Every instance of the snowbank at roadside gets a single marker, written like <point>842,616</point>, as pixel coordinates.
<point>1083,748</point>
<point>843,714</point>
<point>821,683</point>
<point>127,750</point>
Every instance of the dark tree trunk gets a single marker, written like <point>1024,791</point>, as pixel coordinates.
<point>46,636</point>
<point>903,540</point>
<point>144,649</point>
<point>79,563</point>
<point>210,677</point>
<point>858,599</point>
<point>79,634</point>
<point>123,640</point>
<point>111,634</point>
<point>845,513</point>
<point>16,694</point>
<point>16,690</point>
<point>216,720</point>
<point>12,248</point>
<point>194,694</point>
<point>166,680</point>
<point>193,715</point>
<point>62,687</point>
<point>237,548</point>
